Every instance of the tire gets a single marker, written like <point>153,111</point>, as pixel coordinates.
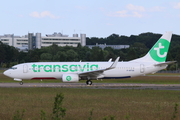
<point>89,82</point>
<point>21,82</point>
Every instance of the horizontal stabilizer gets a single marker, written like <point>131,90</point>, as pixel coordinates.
<point>165,63</point>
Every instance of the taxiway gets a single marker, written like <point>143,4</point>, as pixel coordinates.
<point>95,86</point>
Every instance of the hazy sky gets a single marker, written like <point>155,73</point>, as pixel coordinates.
<point>95,18</point>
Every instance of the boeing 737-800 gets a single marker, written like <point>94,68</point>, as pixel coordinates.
<point>152,62</point>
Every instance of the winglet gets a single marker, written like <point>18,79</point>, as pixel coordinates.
<point>110,60</point>
<point>114,64</point>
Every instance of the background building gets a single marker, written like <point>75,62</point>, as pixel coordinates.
<point>32,41</point>
<point>112,46</point>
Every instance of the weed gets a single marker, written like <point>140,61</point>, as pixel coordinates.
<point>19,116</point>
<point>127,117</point>
<point>110,117</point>
<point>175,111</point>
<point>91,113</point>
<point>43,115</point>
<point>58,111</point>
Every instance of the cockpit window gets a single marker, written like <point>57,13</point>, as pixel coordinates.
<point>13,68</point>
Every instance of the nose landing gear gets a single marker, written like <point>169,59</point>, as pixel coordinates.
<point>21,82</point>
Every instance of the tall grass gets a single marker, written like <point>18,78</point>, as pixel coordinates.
<point>121,104</point>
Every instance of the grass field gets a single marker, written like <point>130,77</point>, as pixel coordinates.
<point>123,104</point>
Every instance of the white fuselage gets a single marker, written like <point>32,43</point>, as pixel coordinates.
<point>55,70</point>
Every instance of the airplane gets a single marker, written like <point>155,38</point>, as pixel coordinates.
<point>152,62</point>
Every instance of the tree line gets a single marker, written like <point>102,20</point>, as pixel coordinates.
<point>139,46</point>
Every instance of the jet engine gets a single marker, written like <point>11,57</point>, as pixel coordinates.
<point>69,77</point>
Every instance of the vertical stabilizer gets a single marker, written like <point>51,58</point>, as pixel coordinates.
<point>159,51</point>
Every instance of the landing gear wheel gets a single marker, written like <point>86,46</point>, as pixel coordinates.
<point>21,82</point>
<point>89,82</point>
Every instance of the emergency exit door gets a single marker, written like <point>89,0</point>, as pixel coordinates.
<point>142,68</point>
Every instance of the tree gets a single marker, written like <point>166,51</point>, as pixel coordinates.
<point>131,54</point>
<point>101,55</point>
<point>140,49</point>
<point>2,53</point>
<point>46,57</point>
<point>53,49</point>
<point>88,56</point>
<point>60,56</point>
<point>72,55</point>
<point>95,54</point>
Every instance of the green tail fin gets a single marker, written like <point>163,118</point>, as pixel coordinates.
<point>158,53</point>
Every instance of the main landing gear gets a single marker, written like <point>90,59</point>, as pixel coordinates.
<point>21,82</point>
<point>89,82</point>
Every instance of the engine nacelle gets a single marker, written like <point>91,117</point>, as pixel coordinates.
<point>16,79</point>
<point>70,77</point>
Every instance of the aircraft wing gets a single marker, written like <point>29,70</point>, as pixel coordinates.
<point>98,73</point>
<point>165,63</point>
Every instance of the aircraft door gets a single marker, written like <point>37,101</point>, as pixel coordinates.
<point>25,68</point>
<point>142,68</point>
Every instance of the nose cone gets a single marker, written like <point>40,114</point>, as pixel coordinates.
<point>7,73</point>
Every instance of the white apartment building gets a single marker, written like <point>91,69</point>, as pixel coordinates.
<point>32,41</point>
<point>16,41</point>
